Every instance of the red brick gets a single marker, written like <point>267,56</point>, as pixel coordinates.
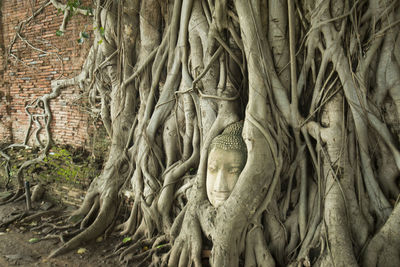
<point>70,126</point>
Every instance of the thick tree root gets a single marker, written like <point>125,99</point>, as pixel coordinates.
<point>40,214</point>
<point>13,198</point>
<point>100,224</point>
<point>186,248</point>
<point>143,258</point>
<point>257,253</point>
<point>141,245</point>
<point>384,248</point>
<point>218,62</point>
<point>142,250</point>
<point>13,219</point>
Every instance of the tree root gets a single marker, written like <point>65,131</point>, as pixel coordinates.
<point>40,214</point>
<point>56,227</point>
<point>14,218</point>
<point>383,249</point>
<point>143,258</point>
<point>13,198</point>
<point>136,247</point>
<point>100,224</point>
<point>142,249</point>
<point>326,218</point>
<point>186,248</point>
<point>91,214</point>
<point>50,237</point>
<point>133,221</point>
<point>257,253</point>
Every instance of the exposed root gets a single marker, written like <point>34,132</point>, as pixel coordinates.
<point>14,218</point>
<point>91,214</point>
<point>383,249</point>
<point>132,223</point>
<point>172,177</point>
<point>187,246</point>
<point>218,62</point>
<point>141,245</point>
<point>100,224</point>
<point>139,251</point>
<point>13,197</point>
<point>55,227</point>
<point>257,253</point>
<point>40,214</point>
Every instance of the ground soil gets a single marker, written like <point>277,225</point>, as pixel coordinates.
<point>16,250</point>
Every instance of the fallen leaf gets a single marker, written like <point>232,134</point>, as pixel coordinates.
<point>14,256</point>
<point>126,239</point>
<point>82,251</point>
<point>33,240</point>
<point>99,239</point>
<point>19,257</point>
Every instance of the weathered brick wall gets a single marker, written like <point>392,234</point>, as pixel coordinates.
<point>5,120</point>
<point>28,77</point>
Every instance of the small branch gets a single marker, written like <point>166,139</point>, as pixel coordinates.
<point>81,11</point>
<point>28,196</point>
<point>20,26</point>
<point>65,20</point>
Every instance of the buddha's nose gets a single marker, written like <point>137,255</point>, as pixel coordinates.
<point>220,183</point>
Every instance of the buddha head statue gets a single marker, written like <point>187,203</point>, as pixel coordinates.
<point>227,156</point>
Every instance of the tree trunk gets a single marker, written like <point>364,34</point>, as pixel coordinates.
<point>317,85</point>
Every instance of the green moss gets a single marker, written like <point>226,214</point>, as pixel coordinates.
<point>65,165</point>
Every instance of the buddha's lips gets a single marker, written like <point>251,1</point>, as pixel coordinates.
<point>221,195</point>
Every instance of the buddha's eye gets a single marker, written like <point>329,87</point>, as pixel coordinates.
<point>212,168</point>
<point>234,170</point>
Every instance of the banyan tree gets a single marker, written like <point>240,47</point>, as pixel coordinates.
<point>263,131</point>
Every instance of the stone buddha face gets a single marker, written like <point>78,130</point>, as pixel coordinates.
<point>226,159</point>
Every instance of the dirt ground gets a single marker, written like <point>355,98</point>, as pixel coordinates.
<point>18,246</point>
<point>17,250</point>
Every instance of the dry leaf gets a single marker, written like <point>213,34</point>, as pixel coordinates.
<point>82,251</point>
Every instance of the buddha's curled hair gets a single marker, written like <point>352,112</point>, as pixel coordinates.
<point>230,139</point>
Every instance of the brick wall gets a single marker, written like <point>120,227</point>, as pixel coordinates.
<point>5,120</point>
<point>29,77</point>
